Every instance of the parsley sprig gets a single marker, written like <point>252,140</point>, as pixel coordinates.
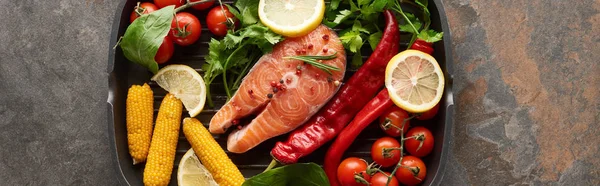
<point>232,57</point>
<point>361,23</point>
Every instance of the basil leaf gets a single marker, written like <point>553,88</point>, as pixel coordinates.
<point>300,174</point>
<point>143,37</point>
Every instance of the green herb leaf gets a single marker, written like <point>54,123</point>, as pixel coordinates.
<point>357,60</point>
<point>233,11</point>
<point>367,12</point>
<point>363,2</point>
<point>334,4</point>
<point>358,27</point>
<point>299,174</point>
<point>248,10</point>
<point>353,6</point>
<point>272,37</point>
<point>374,39</point>
<point>379,5</point>
<point>352,40</point>
<point>405,26</point>
<point>430,36</point>
<point>143,37</point>
<point>342,16</point>
<point>232,57</point>
<point>426,15</point>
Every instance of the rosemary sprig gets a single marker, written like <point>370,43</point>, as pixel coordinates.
<point>312,60</point>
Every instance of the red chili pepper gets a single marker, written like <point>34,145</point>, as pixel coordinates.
<point>366,116</point>
<point>352,96</point>
<point>422,46</point>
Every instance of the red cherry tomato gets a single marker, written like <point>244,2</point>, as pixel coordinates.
<point>386,151</point>
<point>379,179</point>
<point>165,51</point>
<point>216,20</point>
<point>429,114</point>
<point>391,121</point>
<point>348,170</point>
<point>419,135</point>
<point>185,29</point>
<point>412,172</point>
<point>203,6</point>
<point>144,7</point>
<point>163,3</point>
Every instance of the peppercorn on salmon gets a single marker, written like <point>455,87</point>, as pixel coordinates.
<point>211,154</point>
<point>164,142</point>
<point>139,117</point>
<point>284,93</point>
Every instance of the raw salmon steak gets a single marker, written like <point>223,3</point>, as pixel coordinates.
<point>280,109</point>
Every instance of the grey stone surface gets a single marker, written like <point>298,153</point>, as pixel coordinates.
<point>526,86</point>
<point>53,82</point>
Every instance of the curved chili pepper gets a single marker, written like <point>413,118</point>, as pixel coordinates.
<point>366,116</point>
<point>423,46</point>
<point>351,97</point>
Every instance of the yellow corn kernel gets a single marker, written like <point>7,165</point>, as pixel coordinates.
<point>164,142</point>
<point>211,154</point>
<point>140,113</point>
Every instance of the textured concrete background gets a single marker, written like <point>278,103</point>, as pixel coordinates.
<point>526,84</point>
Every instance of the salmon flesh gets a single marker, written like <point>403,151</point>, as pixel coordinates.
<point>280,109</point>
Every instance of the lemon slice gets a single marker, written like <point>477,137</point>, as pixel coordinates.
<point>414,80</point>
<point>192,172</point>
<point>291,18</point>
<point>184,83</point>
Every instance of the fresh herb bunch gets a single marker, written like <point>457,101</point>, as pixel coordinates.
<point>233,56</point>
<point>360,19</point>
<point>412,24</point>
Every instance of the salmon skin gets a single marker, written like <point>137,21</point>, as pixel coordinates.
<point>305,89</point>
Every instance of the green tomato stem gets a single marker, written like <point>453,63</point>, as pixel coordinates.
<point>190,4</point>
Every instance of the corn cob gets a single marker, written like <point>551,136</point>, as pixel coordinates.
<point>211,154</point>
<point>164,142</point>
<point>140,113</point>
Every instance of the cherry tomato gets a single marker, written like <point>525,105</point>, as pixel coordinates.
<point>386,151</point>
<point>185,29</point>
<point>165,51</point>
<point>412,171</point>
<point>163,3</point>
<point>419,135</point>
<point>350,168</point>
<point>216,20</point>
<point>144,7</point>
<point>380,179</point>
<point>391,121</point>
<point>429,114</point>
<point>203,6</point>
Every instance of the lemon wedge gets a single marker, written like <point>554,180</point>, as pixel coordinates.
<point>185,84</point>
<point>191,172</point>
<point>291,18</point>
<point>414,80</point>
